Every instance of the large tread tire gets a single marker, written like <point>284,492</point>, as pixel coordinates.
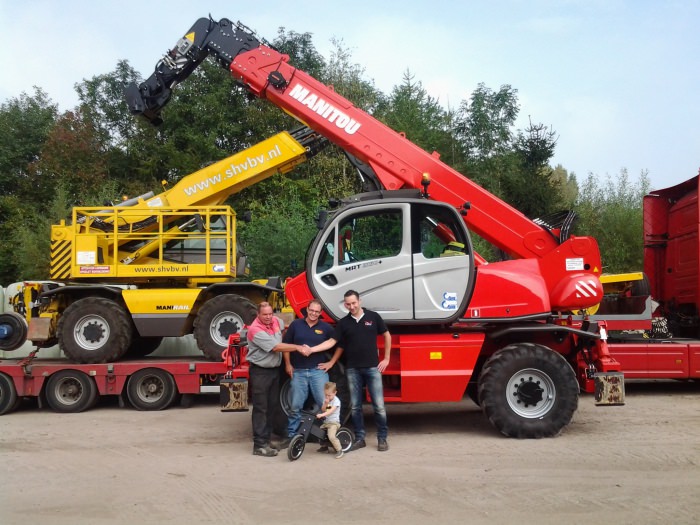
<point>151,389</point>
<point>8,395</point>
<point>142,346</point>
<point>528,391</point>
<point>70,391</point>
<point>218,318</point>
<point>641,287</point>
<point>16,328</point>
<point>94,330</point>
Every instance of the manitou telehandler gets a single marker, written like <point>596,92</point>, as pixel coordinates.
<point>502,331</point>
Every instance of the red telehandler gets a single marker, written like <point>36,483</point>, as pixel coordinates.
<point>502,331</point>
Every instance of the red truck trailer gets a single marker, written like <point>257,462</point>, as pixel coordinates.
<point>670,349</point>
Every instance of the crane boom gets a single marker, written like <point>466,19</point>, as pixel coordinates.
<point>397,162</point>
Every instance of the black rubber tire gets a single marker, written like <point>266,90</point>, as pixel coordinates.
<point>346,438</point>
<point>142,346</point>
<point>286,398</point>
<point>8,394</point>
<point>218,318</point>
<point>18,331</point>
<point>641,287</point>
<point>528,391</point>
<point>151,389</point>
<point>70,391</point>
<point>296,447</point>
<point>94,330</point>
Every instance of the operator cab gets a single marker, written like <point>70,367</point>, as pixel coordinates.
<point>411,259</point>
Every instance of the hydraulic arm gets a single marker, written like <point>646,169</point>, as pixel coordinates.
<point>396,161</point>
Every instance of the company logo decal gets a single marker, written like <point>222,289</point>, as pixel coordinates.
<point>325,109</point>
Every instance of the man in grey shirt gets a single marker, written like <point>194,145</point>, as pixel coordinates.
<point>264,358</point>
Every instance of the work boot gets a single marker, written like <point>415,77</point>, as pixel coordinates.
<point>265,451</point>
<point>360,443</point>
<point>382,445</point>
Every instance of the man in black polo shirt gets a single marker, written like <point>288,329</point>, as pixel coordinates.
<point>356,335</point>
<point>309,373</point>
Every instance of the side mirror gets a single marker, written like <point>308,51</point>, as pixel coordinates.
<point>322,219</point>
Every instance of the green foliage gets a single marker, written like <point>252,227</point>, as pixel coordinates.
<point>25,124</point>
<point>611,212</point>
<point>484,122</point>
<point>409,109</point>
<point>347,78</point>
<point>277,237</point>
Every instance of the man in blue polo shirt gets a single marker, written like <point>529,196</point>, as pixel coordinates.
<point>356,336</point>
<point>309,373</point>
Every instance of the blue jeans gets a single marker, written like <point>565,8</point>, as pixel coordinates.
<point>358,378</point>
<point>304,381</point>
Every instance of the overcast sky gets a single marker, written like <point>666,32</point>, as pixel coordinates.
<point>617,80</point>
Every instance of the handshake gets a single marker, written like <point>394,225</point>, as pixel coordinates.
<point>305,350</point>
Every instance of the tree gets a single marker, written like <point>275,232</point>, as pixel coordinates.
<point>483,126</point>
<point>612,213</point>
<point>484,122</point>
<point>410,110</point>
<point>74,157</point>
<point>278,236</point>
<point>532,189</point>
<point>25,123</point>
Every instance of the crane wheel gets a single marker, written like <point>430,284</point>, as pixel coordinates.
<point>14,331</point>
<point>94,330</point>
<point>528,391</point>
<point>218,318</point>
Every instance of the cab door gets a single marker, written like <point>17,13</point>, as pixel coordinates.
<point>443,263</point>
<point>366,249</point>
<point>394,255</point>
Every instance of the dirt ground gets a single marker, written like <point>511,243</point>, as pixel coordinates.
<point>636,464</point>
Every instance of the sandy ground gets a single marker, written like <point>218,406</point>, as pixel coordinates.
<point>635,464</point>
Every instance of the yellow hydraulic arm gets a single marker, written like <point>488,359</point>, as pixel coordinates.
<point>114,242</point>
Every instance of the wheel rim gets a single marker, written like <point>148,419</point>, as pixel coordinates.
<point>91,332</point>
<point>296,447</point>
<point>69,391</point>
<point>150,389</point>
<point>531,393</point>
<point>223,325</point>
<point>345,439</point>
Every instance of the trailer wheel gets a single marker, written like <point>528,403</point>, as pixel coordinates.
<point>70,391</point>
<point>346,438</point>
<point>8,394</point>
<point>218,318</point>
<point>14,330</point>
<point>94,330</point>
<point>528,391</point>
<point>296,447</point>
<point>151,389</point>
<point>143,346</point>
